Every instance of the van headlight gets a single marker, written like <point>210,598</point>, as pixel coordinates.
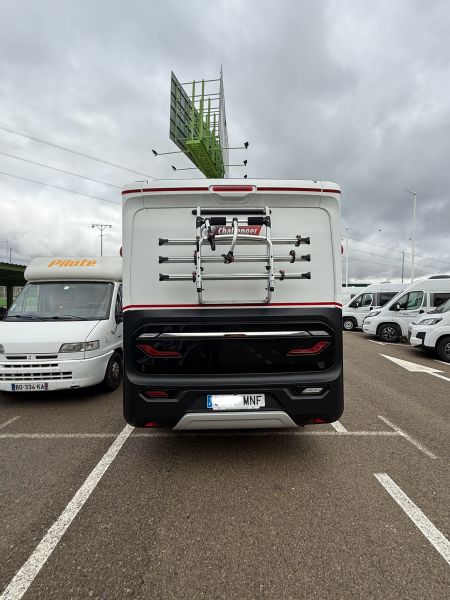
<point>2,349</point>
<point>430,321</point>
<point>374,313</point>
<point>80,346</point>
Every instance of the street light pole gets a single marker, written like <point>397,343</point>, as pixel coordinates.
<point>413,236</point>
<point>347,229</point>
<point>101,228</point>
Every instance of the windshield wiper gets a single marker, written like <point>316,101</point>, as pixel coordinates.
<point>25,316</point>
<point>68,318</point>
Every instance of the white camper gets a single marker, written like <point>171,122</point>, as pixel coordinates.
<point>369,298</point>
<point>431,331</point>
<point>65,328</point>
<point>391,322</point>
<point>232,314</point>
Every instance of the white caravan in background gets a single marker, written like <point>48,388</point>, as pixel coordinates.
<point>431,331</point>
<point>391,322</point>
<point>369,298</point>
<point>65,328</point>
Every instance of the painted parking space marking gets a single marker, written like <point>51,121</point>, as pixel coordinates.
<point>433,535</point>
<point>380,343</point>
<point>26,574</point>
<point>407,437</point>
<point>339,427</point>
<point>170,434</point>
<point>416,368</point>
<point>3,425</point>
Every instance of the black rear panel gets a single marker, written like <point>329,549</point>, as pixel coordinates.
<point>187,354</point>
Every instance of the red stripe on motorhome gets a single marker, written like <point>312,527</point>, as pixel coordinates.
<point>272,304</point>
<point>205,189</point>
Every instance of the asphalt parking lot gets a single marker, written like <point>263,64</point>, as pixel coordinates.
<point>94,509</point>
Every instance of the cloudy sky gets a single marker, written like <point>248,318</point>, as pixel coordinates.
<point>350,91</point>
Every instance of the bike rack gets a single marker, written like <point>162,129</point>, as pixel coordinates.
<point>206,220</point>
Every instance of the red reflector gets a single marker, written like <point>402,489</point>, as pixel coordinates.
<point>158,353</point>
<point>151,424</point>
<point>232,188</point>
<point>318,347</point>
<point>316,420</point>
<point>156,394</point>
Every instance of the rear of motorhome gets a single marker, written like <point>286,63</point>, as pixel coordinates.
<point>64,330</point>
<point>373,296</point>
<point>232,314</point>
<point>391,322</point>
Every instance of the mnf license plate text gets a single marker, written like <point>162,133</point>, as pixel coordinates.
<point>235,401</point>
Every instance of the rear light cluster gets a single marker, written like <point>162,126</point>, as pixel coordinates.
<point>315,349</point>
<point>154,353</point>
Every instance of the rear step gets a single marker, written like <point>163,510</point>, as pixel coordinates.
<point>270,419</point>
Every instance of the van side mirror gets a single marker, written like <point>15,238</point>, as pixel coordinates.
<point>397,307</point>
<point>119,318</point>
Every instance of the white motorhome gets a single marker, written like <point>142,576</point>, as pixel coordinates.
<point>349,292</point>
<point>391,322</point>
<point>65,328</point>
<point>431,331</point>
<point>232,314</point>
<point>373,296</point>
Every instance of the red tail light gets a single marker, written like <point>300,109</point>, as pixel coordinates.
<point>153,352</point>
<point>151,424</point>
<point>316,420</point>
<point>156,394</point>
<point>318,347</point>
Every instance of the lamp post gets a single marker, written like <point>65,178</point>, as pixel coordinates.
<point>347,229</point>
<point>413,236</point>
<point>101,228</point>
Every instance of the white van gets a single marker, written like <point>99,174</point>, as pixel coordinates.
<point>369,298</point>
<point>391,322</point>
<point>65,328</point>
<point>349,292</point>
<point>431,331</point>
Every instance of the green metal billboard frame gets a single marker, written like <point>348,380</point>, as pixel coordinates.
<point>198,124</point>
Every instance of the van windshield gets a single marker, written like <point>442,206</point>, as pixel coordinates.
<point>64,301</point>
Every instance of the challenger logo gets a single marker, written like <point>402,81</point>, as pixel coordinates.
<point>242,229</point>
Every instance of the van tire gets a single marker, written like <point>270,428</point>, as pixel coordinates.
<point>348,324</point>
<point>443,349</point>
<point>113,374</point>
<point>389,332</point>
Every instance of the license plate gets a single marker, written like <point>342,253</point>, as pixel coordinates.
<point>236,401</point>
<point>29,387</point>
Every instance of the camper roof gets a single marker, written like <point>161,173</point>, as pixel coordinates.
<point>105,268</point>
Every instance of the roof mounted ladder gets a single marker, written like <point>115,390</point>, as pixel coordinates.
<point>207,221</point>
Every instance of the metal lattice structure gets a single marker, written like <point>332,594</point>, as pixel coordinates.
<point>198,124</point>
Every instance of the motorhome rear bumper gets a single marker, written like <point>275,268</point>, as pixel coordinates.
<point>165,399</point>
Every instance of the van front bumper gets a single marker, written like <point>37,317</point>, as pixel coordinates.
<point>55,374</point>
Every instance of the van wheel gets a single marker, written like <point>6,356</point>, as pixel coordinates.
<point>348,324</point>
<point>389,333</point>
<point>113,375</point>
<point>443,349</point>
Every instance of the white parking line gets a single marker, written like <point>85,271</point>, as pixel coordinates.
<point>25,576</point>
<point>380,343</point>
<point>408,437</point>
<point>339,427</point>
<point>442,362</point>
<point>3,425</point>
<point>218,433</point>
<point>433,535</point>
